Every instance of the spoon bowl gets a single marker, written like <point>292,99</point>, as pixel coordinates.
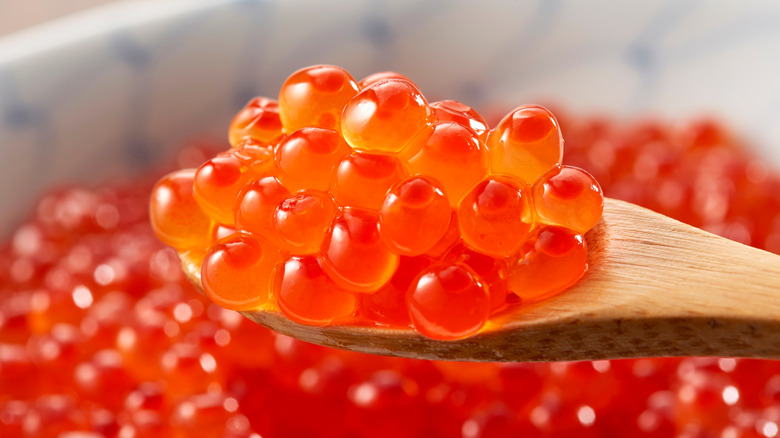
<point>655,287</point>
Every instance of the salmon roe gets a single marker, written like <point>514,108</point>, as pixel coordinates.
<point>452,154</point>
<point>454,111</point>
<point>258,120</point>
<point>177,220</point>
<point>219,181</point>
<point>238,270</point>
<point>297,278</point>
<point>448,302</point>
<point>101,336</point>
<point>385,116</point>
<point>361,175</point>
<point>415,216</point>
<point>527,143</point>
<point>303,220</point>
<point>315,96</point>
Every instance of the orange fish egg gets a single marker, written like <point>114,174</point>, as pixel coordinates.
<point>526,144</point>
<point>307,295</point>
<point>315,96</point>
<point>307,157</point>
<point>387,306</point>
<point>492,271</point>
<point>376,77</point>
<point>302,221</point>
<point>219,181</point>
<point>354,255</point>
<point>464,115</point>
<point>258,120</point>
<point>176,218</point>
<point>448,302</point>
<point>451,154</point>
<point>256,205</point>
<point>362,180</point>
<point>570,198</point>
<point>496,217</point>
<point>414,216</point>
<point>385,116</point>
<point>555,261</point>
<point>238,270</point>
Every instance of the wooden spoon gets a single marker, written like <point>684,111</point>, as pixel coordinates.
<point>655,287</point>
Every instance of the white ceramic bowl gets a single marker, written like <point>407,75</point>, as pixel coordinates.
<point>114,90</point>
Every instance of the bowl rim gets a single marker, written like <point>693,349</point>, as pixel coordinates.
<point>93,23</point>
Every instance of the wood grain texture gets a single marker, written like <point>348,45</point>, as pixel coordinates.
<point>655,287</point>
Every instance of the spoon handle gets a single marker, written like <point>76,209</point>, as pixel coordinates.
<point>657,287</point>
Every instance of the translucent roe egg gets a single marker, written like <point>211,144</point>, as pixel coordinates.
<point>362,180</point>
<point>354,255</point>
<point>570,198</point>
<point>238,270</point>
<point>451,154</point>
<point>256,156</point>
<point>302,221</point>
<point>492,271</point>
<point>307,295</point>
<point>306,158</point>
<point>414,216</point>
<point>557,259</point>
<point>215,181</point>
<point>384,116</point>
<point>376,77</point>
<point>526,144</point>
<point>496,217</point>
<point>256,206</point>
<point>387,306</point>
<point>258,120</point>
<point>176,218</point>
<point>450,238</point>
<point>315,96</point>
<point>448,302</point>
<point>219,181</point>
<point>464,115</point>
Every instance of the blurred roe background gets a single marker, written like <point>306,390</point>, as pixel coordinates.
<point>102,337</point>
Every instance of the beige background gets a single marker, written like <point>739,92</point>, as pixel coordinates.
<point>18,14</point>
